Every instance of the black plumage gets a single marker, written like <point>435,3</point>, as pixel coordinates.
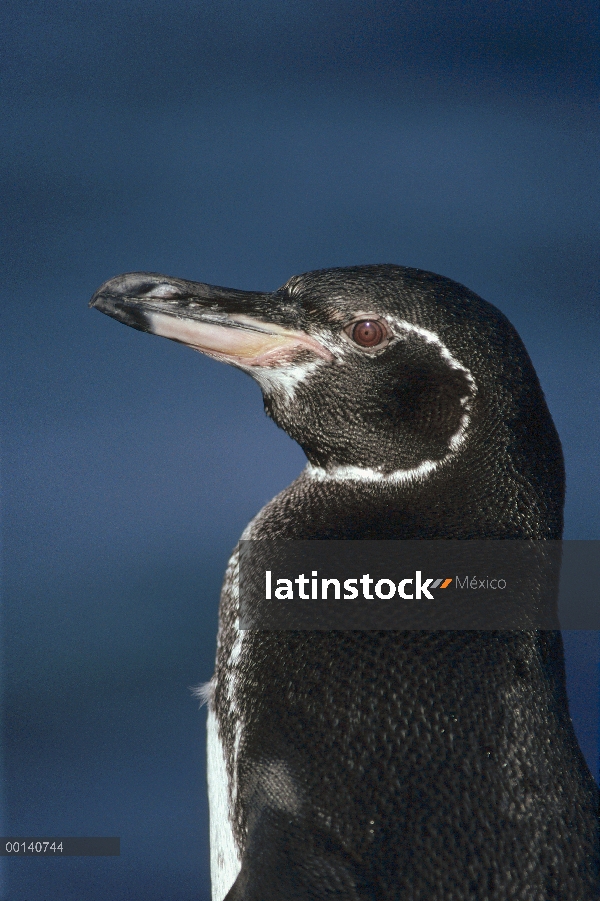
<point>391,765</point>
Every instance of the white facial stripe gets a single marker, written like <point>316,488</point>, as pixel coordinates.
<point>272,346</point>
<point>420,472</point>
<point>284,379</point>
<point>432,338</point>
<point>365,474</point>
<point>459,436</point>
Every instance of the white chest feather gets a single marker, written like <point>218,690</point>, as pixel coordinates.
<point>224,857</point>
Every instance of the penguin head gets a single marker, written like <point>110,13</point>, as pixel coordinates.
<point>381,369</point>
<point>391,398</point>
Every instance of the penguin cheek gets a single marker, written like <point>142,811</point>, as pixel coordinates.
<point>378,420</point>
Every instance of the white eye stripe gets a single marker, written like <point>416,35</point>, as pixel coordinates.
<point>426,467</point>
<point>432,338</point>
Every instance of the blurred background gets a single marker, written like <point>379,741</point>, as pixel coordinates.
<point>238,143</point>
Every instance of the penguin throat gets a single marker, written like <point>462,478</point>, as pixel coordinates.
<point>366,474</point>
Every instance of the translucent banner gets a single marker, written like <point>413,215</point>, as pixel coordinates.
<point>444,584</point>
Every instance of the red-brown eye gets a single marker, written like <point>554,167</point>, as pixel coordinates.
<point>367,333</point>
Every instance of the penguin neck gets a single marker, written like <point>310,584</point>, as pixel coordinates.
<point>449,503</point>
<point>368,476</point>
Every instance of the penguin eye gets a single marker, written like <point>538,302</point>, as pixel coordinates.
<point>367,332</point>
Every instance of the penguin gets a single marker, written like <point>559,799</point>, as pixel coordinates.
<point>387,765</point>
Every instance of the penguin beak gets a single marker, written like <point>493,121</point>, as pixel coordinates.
<point>223,323</point>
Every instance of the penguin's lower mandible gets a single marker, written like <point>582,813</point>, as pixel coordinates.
<point>387,765</point>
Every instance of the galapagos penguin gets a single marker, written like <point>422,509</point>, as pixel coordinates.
<point>388,766</point>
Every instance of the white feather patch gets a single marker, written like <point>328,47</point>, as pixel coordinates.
<point>416,473</point>
<point>365,474</point>
<point>225,863</point>
<point>204,692</point>
<point>282,378</point>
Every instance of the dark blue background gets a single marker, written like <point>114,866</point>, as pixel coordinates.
<point>239,144</point>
